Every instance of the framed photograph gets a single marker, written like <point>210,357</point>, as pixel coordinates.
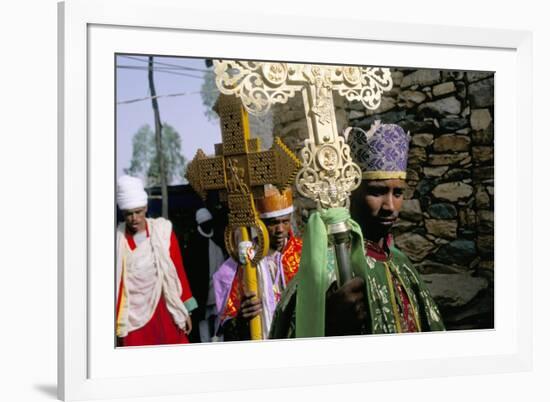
<point>461,95</point>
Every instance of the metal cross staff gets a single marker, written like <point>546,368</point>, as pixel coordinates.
<point>328,174</point>
<point>239,171</point>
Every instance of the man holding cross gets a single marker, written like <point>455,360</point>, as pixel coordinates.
<point>386,294</point>
<point>235,305</point>
<point>239,171</point>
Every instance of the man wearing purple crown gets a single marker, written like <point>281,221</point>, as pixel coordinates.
<point>386,294</point>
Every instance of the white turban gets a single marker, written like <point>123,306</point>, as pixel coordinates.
<point>130,193</point>
<point>203,215</point>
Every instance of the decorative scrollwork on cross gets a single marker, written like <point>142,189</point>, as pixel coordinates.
<point>260,85</point>
<point>328,174</point>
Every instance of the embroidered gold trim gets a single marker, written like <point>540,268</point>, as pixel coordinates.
<point>392,297</point>
<point>415,313</point>
<point>384,175</point>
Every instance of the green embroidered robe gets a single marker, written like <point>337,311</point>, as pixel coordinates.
<point>385,307</point>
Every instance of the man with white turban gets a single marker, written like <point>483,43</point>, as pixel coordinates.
<point>153,297</point>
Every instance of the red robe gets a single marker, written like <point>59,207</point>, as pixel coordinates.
<point>161,328</point>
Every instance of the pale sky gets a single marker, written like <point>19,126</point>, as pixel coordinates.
<point>185,113</point>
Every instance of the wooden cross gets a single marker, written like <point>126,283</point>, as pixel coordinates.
<point>239,170</point>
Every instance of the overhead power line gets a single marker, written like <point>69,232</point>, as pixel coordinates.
<point>169,64</point>
<point>160,70</point>
<point>158,96</point>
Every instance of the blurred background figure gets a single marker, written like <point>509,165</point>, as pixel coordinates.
<point>203,257</point>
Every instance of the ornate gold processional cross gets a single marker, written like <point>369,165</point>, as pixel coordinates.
<point>328,175</point>
<point>239,170</point>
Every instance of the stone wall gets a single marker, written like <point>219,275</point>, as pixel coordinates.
<point>447,223</point>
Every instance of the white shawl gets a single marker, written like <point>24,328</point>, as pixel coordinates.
<point>146,273</point>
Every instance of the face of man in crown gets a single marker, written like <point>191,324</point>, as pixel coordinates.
<point>279,231</point>
<point>376,206</point>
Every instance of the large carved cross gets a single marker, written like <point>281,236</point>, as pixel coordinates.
<point>328,175</point>
<point>239,170</point>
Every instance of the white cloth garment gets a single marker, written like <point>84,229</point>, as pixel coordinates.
<point>271,280</point>
<point>147,272</point>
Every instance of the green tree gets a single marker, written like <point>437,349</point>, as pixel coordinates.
<point>144,156</point>
<point>209,95</point>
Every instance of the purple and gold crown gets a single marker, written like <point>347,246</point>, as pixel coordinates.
<point>381,152</point>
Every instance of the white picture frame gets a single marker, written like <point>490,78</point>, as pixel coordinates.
<point>92,31</point>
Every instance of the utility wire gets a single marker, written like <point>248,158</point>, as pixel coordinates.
<point>169,65</point>
<point>159,96</point>
<point>160,70</point>
<point>156,96</point>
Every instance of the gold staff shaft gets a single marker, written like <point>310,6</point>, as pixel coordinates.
<point>251,285</point>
